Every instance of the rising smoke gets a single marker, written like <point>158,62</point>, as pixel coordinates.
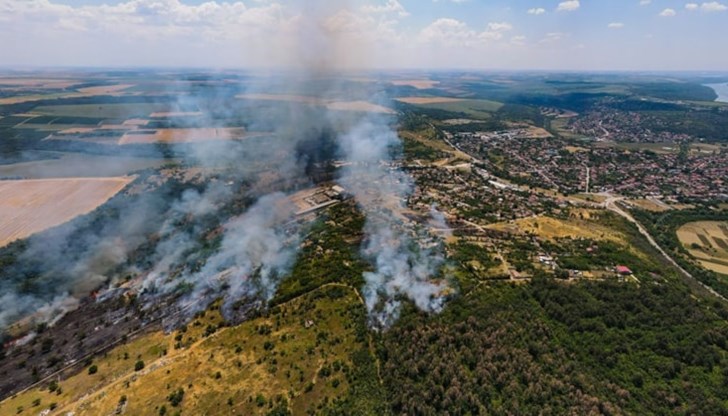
<point>257,247</point>
<point>402,268</point>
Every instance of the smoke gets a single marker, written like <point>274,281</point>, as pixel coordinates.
<point>256,252</point>
<point>162,239</point>
<point>402,267</point>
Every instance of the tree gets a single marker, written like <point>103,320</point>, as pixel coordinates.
<point>139,365</point>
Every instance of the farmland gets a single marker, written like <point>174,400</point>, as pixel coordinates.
<point>112,111</point>
<point>478,109</point>
<point>73,165</point>
<point>30,206</point>
<point>181,135</point>
<point>420,84</point>
<point>331,104</point>
<point>707,241</point>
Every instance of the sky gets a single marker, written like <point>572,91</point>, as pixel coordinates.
<point>648,35</point>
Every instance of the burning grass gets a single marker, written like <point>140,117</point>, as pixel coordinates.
<point>31,206</point>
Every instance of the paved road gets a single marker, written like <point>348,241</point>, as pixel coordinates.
<point>611,204</point>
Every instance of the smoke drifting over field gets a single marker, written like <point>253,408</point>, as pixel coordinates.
<point>258,247</point>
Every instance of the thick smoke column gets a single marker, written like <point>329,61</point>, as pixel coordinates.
<point>401,266</point>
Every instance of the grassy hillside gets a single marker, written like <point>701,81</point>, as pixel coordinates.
<point>298,358</point>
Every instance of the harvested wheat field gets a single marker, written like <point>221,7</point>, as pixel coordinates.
<point>33,205</point>
<point>105,89</point>
<point>181,135</point>
<point>361,106</point>
<point>428,100</point>
<point>707,241</point>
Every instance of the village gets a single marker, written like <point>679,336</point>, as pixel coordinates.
<point>673,172</point>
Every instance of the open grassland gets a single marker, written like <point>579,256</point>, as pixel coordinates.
<point>30,206</point>
<point>298,358</point>
<point>182,135</point>
<point>650,204</point>
<point>707,241</point>
<point>553,228</point>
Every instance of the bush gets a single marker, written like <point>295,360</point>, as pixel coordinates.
<point>176,397</point>
<point>139,365</point>
<point>93,369</point>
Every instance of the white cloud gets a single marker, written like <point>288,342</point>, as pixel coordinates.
<point>692,6</point>
<point>454,32</point>
<point>713,6</point>
<point>615,25</point>
<point>499,27</point>
<point>537,11</point>
<point>391,6</point>
<point>668,13</point>
<point>447,31</point>
<point>568,6</point>
<point>553,37</point>
<point>645,2</point>
<point>519,40</point>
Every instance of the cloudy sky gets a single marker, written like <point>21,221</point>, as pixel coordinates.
<point>484,34</point>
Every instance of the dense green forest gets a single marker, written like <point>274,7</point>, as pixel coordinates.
<point>554,348</point>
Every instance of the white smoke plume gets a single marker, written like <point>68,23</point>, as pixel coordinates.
<point>402,268</point>
<point>257,250</point>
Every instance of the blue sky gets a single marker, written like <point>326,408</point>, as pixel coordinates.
<point>483,34</point>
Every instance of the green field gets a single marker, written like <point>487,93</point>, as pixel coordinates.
<point>477,109</point>
<point>58,164</point>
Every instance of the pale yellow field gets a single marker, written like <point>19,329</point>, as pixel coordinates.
<point>362,106</point>
<point>552,228</point>
<point>575,149</point>
<point>31,206</point>
<point>420,84</point>
<point>428,100</point>
<point>282,97</point>
<point>105,89</point>
<point>537,133</point>
<point>649,205</point>
<point>711,238</point>
<point>115,90</point>
<point>182,135</point>
<point>38,82</point>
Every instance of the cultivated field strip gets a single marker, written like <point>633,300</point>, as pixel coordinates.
<point>33,205</point>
